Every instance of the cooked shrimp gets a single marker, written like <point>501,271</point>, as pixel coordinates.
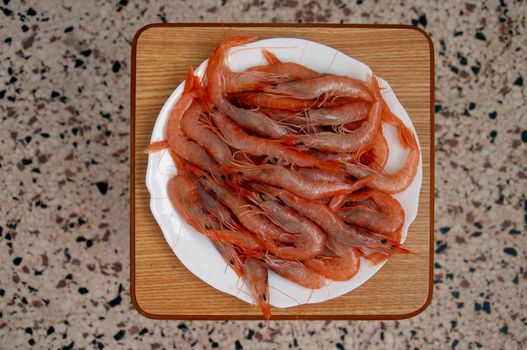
<point>156,146</point>
<point>239,139</point>
<point>251,219</point>
<point>217,74</point>
<point>231,257</point>
<point>377,156</point>
<point>287,70</point>
<point>333,224</point>
<point>296,272</point>
<point>341,264</point>
<point>266,100</point>
<point>329,87</point>
<point>323,175</point>
<point>256,277</point>
<point>194,127</point>
<point>387,218</point>
<point>350,141</point>
<point>292,181</point>
<point>338,115</point>
<point>176,139</point>
<point>309,239</point>
<point>389,182</point>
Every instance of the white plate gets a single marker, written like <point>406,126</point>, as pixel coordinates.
<point>196,252</point>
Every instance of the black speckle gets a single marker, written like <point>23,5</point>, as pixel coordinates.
<point>68,29</point>
<point>455,294</point>
<point>17,260</point>
<point>471,105</point>
<point>83,290</point>
<point>6,11</point>
<point>86,53</point>
<point>422,20</point>
<point>504,330</point>
<point>213,344</point>
<point>524,136</point>
<point>119,335</point>
<point>103,187</point>
<point>462,60</point>
<point>441,247</point>
<point>444,229</point>
<point>454,344</point>
<point>54,94</point>
<point>493,115</point>
<point>477,306</point>
<point>486,307</point>
<point>238,345</point>
<point>25,28</point>
<point>514,232</point>
<point>458,33</point>
<point>475,69</point>
<point>28,330</point>
<point>63,99</point>
<point>519,81</point>
<point>2,93</point>
<point>2,292</point>
<point>26,161</point>
<point>340,346</point>
<point>476,234</point>
<point>493,135</point>
<point>143,331</point>
<point>223,2</point>
<point>511,251</point>
<point>117,300</point>
<point>50,330</point>
<point>78,63</point>
<point>480,36</point>
<point>69,346</point>
<point>437,108</point>
<point>31,12</point>
<point>250,334</point>
<point>116,66</point>
<point>8,40</point>
<point>183,327</point>
<point>89,243</point>
<point>31,342</point>
<point>454,69</point>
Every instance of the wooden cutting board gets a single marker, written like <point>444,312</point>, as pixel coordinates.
<point>161,287</point>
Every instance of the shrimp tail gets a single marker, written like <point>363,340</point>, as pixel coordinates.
<point>156,146</point>
<point>270,57</point>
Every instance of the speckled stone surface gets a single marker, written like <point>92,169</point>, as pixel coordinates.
<point>64,172</point>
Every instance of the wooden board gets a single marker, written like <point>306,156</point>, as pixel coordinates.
<point>162,287</point>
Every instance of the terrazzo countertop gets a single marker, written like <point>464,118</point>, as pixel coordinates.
<point>64,175</point>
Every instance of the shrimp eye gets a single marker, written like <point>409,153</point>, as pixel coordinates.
<point>223,177</point>
<point>262,196</point>
<point>239,173</point>
<point>273,85</point>
<point>384,241</point>
<point>264,297</point>
<point>215,109</point>
<point>300,143</point>
<point>208,227</point>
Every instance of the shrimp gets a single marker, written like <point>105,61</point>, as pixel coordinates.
<point>341,264</point>
<point>377,156</point>
<point>176,139</point>
<point>386,218</point>
<point>156,146</point>
<point>333,225</point>
<point>266,100</point>
<point>198,131</point>
<point>338,115</point>
<point>289,71</point>
<point>329,87</point>
<point>323,175</point>
<point>309,239</point>
<point>290,180</point>
<point>217,74</point>
<point>389,182</point>
<point>252,220</point>
<point>239,139</point>
<point>296,272</point>
<point>256,278</point>
<point>231,257</point>
<point>350,141</point>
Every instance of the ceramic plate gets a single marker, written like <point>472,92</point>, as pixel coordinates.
<point>196,252</point>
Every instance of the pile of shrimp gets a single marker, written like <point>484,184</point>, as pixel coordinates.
<point>281,167</point>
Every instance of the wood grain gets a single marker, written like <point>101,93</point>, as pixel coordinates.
<point>163,288</point>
